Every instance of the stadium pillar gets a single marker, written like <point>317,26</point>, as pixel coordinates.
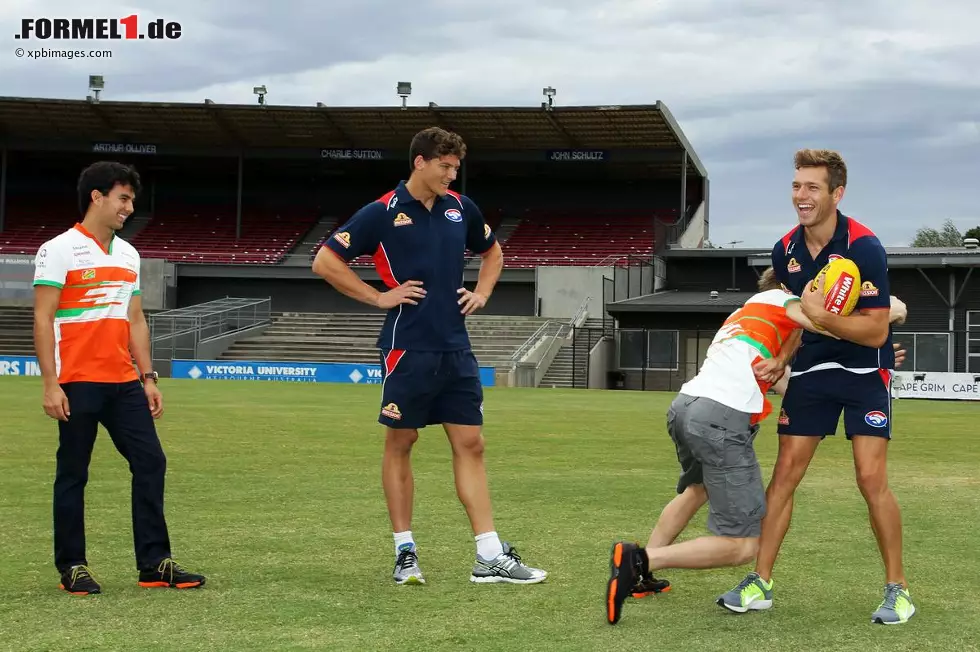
<point>683,211</point>
<point>238,207</point>
<point>3,188</point>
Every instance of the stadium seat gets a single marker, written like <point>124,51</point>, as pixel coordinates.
<point>28,225</point>
<point>569,238</point>
<point>188,234</point>
<point>582,238</point>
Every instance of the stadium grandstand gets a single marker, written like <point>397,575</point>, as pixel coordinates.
<point>237,200</point>
<point>601,212</point>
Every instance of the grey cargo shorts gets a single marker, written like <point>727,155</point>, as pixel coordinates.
<point>714,448</point>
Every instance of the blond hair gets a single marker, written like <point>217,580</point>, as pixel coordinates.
<point>824,158</point>
<point>768,280</point>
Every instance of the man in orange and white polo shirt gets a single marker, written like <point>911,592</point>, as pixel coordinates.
<point>88,327</point>
<point>713,423</point>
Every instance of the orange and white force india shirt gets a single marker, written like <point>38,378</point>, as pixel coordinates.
<point>91,326</point>
<point>754,332</point>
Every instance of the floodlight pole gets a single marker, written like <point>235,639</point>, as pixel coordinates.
<point>3,187</point>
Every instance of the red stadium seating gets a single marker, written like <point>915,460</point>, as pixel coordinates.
<point>29,225</point>
<point>581,239</point>
<point>578,239</point>
<point>188,234</point>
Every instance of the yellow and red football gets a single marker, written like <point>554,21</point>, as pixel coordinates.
<point>841,286</point>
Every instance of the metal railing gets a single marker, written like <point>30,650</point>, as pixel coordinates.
<point>551,328</point>
<point>178,334</point>
<point>529,343</point>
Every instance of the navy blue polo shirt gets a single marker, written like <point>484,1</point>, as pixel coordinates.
<point>795,268</point>
<point>411,243</point>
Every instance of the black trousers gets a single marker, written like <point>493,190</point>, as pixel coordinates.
<point>123,410</point>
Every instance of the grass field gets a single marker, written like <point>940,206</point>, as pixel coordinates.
<point>274,492</point>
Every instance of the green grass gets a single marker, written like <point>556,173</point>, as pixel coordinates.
<point>274,492</point>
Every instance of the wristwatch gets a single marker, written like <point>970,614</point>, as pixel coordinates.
<point>150,375</point>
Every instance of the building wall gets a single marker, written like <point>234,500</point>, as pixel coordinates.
<point>707,274</point>
<point>314,295</point>
<point>929,315</point>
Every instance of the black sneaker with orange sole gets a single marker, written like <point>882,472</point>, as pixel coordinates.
<point>78,580</point>
<point>169,575</point>
<point>650,585</point>
<point>625,568</point>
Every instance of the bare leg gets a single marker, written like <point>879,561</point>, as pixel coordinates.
<point>471,475</point>
<point>676,515</point>
<point>792,461</point>
<point>396,476</point>
<point>870,455</point>
<point>704,552</point>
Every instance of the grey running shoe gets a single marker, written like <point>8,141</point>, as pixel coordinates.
<point>507,567</point>
<point>750,594</point>
<point>407,569</point>
<point>896,608</point>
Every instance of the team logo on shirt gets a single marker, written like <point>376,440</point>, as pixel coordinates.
<point>391,411</point>
<point>868,289</point>
<point>832,257</point>
<point>343,238</point>
<point>486,231</point>
<point>403,220</point>
<point>88,275</point>
<point>793,266</point>
<point>453,215</point>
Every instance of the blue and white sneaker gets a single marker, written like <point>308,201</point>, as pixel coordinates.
<point>407,569</point>
<point>506,567</point>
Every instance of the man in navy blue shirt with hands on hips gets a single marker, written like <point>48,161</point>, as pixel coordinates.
<point>418,235</point>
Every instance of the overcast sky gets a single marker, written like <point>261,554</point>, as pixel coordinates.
<point>892,85</point>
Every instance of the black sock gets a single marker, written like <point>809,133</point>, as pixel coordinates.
<point>646,561</point>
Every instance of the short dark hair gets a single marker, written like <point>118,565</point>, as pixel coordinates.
<point>825,158</point>
<point>768,280</point>
<point>104,176</point>
<point>435,142</point>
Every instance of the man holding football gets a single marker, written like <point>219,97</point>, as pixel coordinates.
<point>713,423</point>
<point>850,372</point>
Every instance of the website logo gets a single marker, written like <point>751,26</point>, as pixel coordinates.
<point>99,29</point>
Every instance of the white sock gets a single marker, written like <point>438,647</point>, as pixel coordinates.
<point>404,541</point>
<point>488,545</point>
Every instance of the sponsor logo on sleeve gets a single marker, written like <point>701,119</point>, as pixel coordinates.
<point>343,238</point>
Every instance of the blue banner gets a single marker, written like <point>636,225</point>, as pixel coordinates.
<point>19,365</point>
<point>297,372</point>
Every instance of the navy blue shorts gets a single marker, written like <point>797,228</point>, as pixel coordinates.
<point>814,402</point>
<point>424,388</point>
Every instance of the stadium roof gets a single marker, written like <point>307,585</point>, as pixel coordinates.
<point>681,301</point>
<point>206,124</point>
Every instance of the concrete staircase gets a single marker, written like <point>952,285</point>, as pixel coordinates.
<point>299,256</point>
<point>340,337</point>
<point>16,331</point>
<point>561,371</point>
